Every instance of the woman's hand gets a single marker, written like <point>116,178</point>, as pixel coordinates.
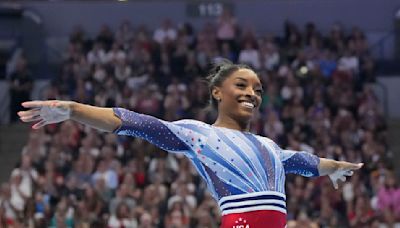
<point>343,169</point>
<point>337,170</point>
<point>46,112</point>
<point>55,111</point>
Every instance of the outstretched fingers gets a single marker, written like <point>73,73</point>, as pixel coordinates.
<point>350,166</point>
<point>30,115</point>
<point>39,124</point>
<point>349,173</point>
<point>31,118</point>
<point>33,104</point>
<point>39,104</point>
<point>335,184</point>
<point>353,166</point>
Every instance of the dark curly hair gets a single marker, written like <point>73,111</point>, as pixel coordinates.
<point>220,71</point>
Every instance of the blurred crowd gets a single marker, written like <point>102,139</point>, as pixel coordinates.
<point>318,98</point>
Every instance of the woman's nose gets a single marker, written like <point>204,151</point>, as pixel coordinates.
<point>250,92</point>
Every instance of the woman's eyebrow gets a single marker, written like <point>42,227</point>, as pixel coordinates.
<point>243,79</point>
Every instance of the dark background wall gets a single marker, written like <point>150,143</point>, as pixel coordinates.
<point>376,17</point>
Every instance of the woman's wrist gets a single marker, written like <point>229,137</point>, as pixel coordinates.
<point>74,109</point>
<point>327,166</point>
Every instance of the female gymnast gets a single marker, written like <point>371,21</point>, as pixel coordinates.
<point>244,172</point>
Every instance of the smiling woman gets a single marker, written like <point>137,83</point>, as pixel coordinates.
<point>235,90</point>
<point>244,172</point>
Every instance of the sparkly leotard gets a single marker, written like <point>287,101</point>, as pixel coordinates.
<point>244,172</point>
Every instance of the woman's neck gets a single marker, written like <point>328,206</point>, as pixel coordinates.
<point>228,122</point>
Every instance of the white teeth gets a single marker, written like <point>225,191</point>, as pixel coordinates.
<point>247,104</point>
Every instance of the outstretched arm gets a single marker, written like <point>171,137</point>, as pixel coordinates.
<point>337,170</point>
<point>306,164</point>
<point>178,137</point>
<point>48,112</point>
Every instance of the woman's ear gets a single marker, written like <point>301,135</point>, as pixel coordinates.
<point>216,93</point>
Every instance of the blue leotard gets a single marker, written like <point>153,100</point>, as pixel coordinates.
<point>243,171</point>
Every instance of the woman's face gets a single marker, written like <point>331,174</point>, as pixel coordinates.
<point>240,95</point>
<point>123,211</point>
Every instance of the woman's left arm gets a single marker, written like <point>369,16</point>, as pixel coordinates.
<point>336,170</point>
<point>310,165</point>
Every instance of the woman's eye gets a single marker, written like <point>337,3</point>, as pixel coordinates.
<point>240,85</point>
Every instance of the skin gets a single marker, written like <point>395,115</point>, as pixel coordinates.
<point>241,85</point>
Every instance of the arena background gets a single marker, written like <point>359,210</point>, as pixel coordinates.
<point>46,52</point>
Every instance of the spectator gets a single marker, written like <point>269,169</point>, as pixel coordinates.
<point>336,39</point>
<point>20,193</point>
<point>107,174</point>
<point>63,216</point>
<point>145,221</point>
<point>176,218</point>
<point>327,63</point>
<point>176,102</point>
<point>97,55</point>
<point>8,212</point>
<point>273,127</point>
<point>226,29</point>
<point>125,33</point>
<point>389,196</point>
<point>115,55</point>
<point>166,33</point>
<point>269,56</point>
<point>105,37</point>
<point>250,55</point>
<point>124,195</point>
<point>348,63</point>
<point>362,213</point>
<point>123,217</point>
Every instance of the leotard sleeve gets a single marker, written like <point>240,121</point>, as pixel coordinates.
<point>299,162</point>
<point>182,136</point>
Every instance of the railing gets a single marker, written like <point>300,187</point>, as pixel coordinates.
<point>378,49</point>
<point>381,92</point>
<point>384,52</point>
<point>4,103</point>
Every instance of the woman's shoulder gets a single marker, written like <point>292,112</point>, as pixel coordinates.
<point>268,141</point>
<point>192,122</point>
<point>264,138</point>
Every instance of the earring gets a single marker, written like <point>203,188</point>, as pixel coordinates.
<point>219,99</point>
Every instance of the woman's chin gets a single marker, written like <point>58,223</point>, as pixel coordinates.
<point>245,115</point>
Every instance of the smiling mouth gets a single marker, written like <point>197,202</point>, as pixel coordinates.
<point>247,104</point>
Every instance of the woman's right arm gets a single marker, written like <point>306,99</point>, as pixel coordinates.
<point>54,111</point>
<point>178,136</point>
<point>97,117</point>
